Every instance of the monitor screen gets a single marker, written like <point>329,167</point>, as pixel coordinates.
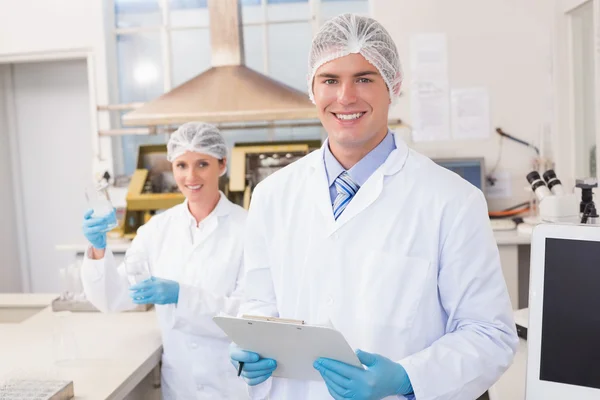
<point>468,169</point>
<point>570,349</point>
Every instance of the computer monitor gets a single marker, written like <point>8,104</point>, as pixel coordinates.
<point>470,169</point>
<point>563,336</point>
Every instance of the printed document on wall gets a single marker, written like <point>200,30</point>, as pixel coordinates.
<point>502,188</point>
<point>429,99</point>
<point>470,113</point>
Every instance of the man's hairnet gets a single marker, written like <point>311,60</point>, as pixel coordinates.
<point>197,137</point>
<point>354,34</point>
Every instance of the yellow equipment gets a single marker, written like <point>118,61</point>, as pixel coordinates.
<point>152,188</point>
<point>253,162</point>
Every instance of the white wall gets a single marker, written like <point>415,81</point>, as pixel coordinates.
<point>504,45</point>
<point>35,29</point>
<point>52,115</point>
<point>10,280</point>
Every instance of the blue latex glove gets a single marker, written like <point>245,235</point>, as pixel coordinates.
<point>95,229</point>
<point>155,291</point>
<point>381,379</point>
<point>256,370</point>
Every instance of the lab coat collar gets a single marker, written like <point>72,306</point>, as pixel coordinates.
<point>222,208</point>
<point>367,194</point>
<point>187,222</point>
<point>393,164</point>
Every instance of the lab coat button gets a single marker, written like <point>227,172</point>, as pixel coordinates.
<point>199,387</point>
<point>194,345</point>
<point>330,301</point>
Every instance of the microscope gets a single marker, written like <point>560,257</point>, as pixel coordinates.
<point>559,206</point>
<point>587,208</point>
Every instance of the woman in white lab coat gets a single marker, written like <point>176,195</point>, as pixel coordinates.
<point>194,252</point>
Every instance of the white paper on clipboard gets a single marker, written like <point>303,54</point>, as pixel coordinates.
<point>295,347</point>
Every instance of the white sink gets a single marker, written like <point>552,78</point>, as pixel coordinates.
<point>16,315</point>
<point>17,307</point>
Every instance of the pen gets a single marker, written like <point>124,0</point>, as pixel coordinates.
<point>240,368</point>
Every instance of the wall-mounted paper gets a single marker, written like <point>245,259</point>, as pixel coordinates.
<point>429,99</point>
<point>502,188</point>
<point>470,113</point>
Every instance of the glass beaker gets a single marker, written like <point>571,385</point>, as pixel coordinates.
<point>65,284</point>
<point>137,267</point>
<point>99,200</point>
<point>63,338</point>
<point>70,279</point>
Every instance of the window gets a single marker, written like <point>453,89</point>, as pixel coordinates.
<point>163,43</point>
<point>584,96</point>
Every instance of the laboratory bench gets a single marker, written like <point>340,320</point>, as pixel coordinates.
<point>79,248</point>
<point>117,246</point>
<point>107,356</point>
<point>116,356</point>
<point>514,249</point>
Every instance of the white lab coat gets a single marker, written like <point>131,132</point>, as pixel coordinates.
<point>410,271</point>
<point>207,263</point>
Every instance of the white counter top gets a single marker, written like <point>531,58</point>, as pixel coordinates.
<point>115,245</point>
<point>511,237</point>
<point>121,245</point>
<point>114,352</point>
<point>26,300</point>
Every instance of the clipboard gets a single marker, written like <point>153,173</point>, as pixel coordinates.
<point>294,345</point>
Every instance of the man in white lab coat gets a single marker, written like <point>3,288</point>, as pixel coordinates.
<point>378,241</point>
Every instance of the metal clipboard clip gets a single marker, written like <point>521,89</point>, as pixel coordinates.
<point>273,319</point>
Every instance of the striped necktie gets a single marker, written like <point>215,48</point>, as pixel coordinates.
<point>346,189</point>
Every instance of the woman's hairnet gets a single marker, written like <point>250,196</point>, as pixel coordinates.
<point>354,34</point>
<point>197,137</point>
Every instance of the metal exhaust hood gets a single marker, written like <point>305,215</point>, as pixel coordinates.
<point>228,91</point>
